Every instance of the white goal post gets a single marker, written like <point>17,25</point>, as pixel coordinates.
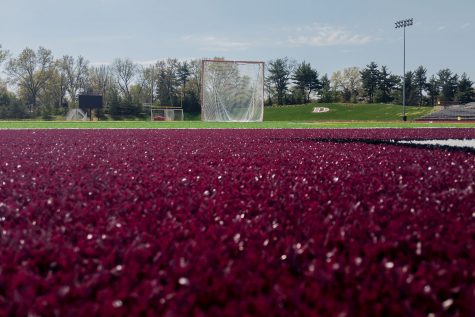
<point>166,114</point>
<point>232,91</point>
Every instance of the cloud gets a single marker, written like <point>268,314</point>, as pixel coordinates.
<point>441,28</point>
<point>465,25</point>
<point>326,35</point>
<point>214,43</point>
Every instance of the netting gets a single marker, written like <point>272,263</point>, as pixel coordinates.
<point>76,115</point>
<point>232,91</point>
<point>166,114</point>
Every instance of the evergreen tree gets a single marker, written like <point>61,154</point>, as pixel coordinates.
<point>280,71</point>
<point>411,91</point>
<point>433,90</point>
<point>325,92</point>
<point>387,83</point>
<point>370,77</point>
<point>465,93</point>
<point>420,82</point>
<point>448,83</point>
<point>306,79</point>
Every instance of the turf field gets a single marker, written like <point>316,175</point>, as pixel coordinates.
<point>291,222</point>
<point>223,125</point>
<point>339,116</point>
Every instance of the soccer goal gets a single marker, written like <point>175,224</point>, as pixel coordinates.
<point>232,91</point>
<point>166,114</point>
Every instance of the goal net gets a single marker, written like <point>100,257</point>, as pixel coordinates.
<point>76,115</point>
<point>232,91</point>
<point>166,114</point>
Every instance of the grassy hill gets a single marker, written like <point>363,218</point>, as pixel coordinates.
<point>343,112</point>
<point>300,116</point>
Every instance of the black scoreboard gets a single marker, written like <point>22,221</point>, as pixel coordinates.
<point>90,101</point>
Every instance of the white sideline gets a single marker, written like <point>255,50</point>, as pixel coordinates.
<point>449,142</point>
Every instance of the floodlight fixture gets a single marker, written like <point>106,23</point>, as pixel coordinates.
<point>403,24</point>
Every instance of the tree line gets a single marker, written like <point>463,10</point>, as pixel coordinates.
<point>47,86</point>
<point>289,82</point>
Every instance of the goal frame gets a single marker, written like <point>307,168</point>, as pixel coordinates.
<point>204,61</point>
<point>164,109</point>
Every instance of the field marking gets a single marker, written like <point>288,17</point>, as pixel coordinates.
<point>458,143</point>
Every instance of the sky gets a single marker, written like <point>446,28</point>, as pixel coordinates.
<point>331,35</point>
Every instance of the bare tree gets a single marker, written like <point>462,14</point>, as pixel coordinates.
<point>61,82</point>
<point>99,79</point>
<point>148,82</point>
<point>183,73</point>
<point>194,80</point>
<point>31,71</point>
<point>124,71</point>
<point>75,72</point>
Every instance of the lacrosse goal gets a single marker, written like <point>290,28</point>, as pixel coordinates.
<point>232,91</point>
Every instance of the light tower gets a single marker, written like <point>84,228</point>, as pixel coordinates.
<point>403,24</point>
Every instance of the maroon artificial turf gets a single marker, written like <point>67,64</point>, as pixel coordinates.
<point>235,223</point>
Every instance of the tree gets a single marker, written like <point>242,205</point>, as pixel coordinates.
<point>337,85</point>
<point>420,82</point>
<point>62,83</point>
<point>124,71</point>
<point>75,72</point>
<point>325,92</point>
<point>3,54</point>
<point>448,83</point>
<point>387,83</point>
<point>183,72</point>
<point>167,81</point>
<point>465,93</point>
<point>411,90</point>
<point>99,79</point>
<point>31,71</point>
<point>352,82</point>
<point>347,84</point>
<point>3,57</point>
<point>52,94</point>
<point>148,79</point>
<point>306,79</point>
<point>192,102</point>
<point>279,75</point>
<point>10,106</point>
<point>370,79</point>
<point>433,90</point>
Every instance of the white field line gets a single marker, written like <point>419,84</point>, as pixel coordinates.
<point>448,142</point>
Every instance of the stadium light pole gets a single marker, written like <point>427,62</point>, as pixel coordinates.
<point>403,24</point>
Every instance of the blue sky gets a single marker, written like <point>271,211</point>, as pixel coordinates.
<point>331,35</point>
